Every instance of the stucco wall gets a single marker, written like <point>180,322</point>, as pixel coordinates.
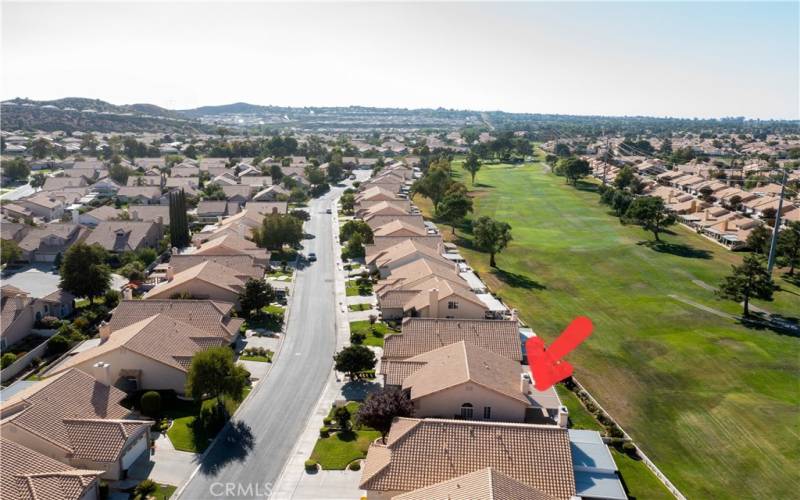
<point>448,403</point>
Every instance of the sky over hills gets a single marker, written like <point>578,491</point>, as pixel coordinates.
<point>658,59</point>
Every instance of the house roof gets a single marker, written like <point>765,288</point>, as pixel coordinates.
<point>159,337</point>
<point>150,192</point>
<point>210,272</point>
<point>242,264</point>
<point>208,315</point>
<point>149,213</point>
<point>382,257</point>
<point>420,335</point>
<point>56,183</point>
<point>397,227</point>
<point>120,236</point>
<point>67,232</point>
<point>66,408</point>
<point>27,474</point>
<point>483,484</point>
<point>457,364</point>
<point>421,453</point>
<point>104,213</point>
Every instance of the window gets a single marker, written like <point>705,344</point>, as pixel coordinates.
<point>487,412</point>
<point>452,304</point>
<point>466,411</point>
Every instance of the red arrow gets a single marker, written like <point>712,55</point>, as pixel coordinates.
<point>547,367</point>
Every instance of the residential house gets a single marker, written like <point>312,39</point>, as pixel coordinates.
<point>386,260</point>
<point>208,315</point>
<point>238,193</point>
<point>228,243</point>
<point>242,264</point>
<point>44,205</point>
<point>20,311</point>
<point>27,474</point>
<point>122,236</point>
<point>76,419</point>
<point>208,280</point>
<point>16,212</point>
<point>212,210</point>
<point>94,217</point>
<point>463,381</point>
<point>44,243</point>
<point>57,183</point>
<point>105,188</point>
<point>272,193</point>
<point>141,195</point>
<point>419,453</point>
<point>483,484</point>
<point>400,227</point>
<point>149,213</point>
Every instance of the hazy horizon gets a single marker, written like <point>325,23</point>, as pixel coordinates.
<point>680,60</point>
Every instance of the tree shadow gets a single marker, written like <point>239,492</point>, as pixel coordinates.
<point>308,236</point>
<point>781,325</point>
<point>483,185</point>
<point>677,249</point>
<point>794,279</point>
<point>586,186</point>
<point>236,441</point>
<point>465,243</point>
<point>516,280</point>
<point>357,390</point>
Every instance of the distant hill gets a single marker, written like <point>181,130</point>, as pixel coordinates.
<point>237,108</point>
<point>78,113</point>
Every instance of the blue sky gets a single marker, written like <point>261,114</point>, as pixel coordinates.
<point>629,58</point>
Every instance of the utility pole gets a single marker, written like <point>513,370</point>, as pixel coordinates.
<point>774,244</point>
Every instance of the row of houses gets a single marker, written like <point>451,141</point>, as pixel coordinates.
<point>62,434</point>
<point>480,427</point>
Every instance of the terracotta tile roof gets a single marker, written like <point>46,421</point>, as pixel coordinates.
<point>149,213</point>
<point>422,453</point>
<point>207,315</point>
<point>106,212</point>
<point>102,440</point>
<point>27,474</point>
<point>150,192</point>
<point>244,265</point>
<point>158,337</point>
<point>400,250</point>
<point>49,409</point>
<point>456,364</point>
<point>420,335</point>
<point>399,227</point>
<point>483,484</point>
<point>209,272</point>
<point>121,236</point>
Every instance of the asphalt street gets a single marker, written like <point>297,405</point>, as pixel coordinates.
<point>248,458</point>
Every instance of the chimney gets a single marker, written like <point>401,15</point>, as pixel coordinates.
<point>105,331</point>
<point>127,293</point>
<point>170,273</point>
<point>433,301</point>
<point>75,215</point>
<point>134,215</point>
<point>693,207</point>
<point>102,372</point>
<point>514,315</point>
<point>563,417</point>
<point>525,383</point>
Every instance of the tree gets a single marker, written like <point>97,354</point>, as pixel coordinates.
<point>789,246</point>
<point>214,191</point>
<point>454,207</point>
<point>276,173</point>
<point>561,150</point>
<point>300,215</point>
<point>382,407</point>
<point>119,173</point>
<point>354,226</point>
<point>335,167</point>
<point>620,201</point>
<point>491,236</point>
<point>7,359</point>
<point>759,239</point>
<point>749,280</point>
<point>145,489</point>
<point>436,181</point>
<point>84,272</point>
<point>257,293</point>
<point>650,212</point>
<point>355,247</point>
<point>342,417</point>
<point>573,169</point>
<point>354,359</point>
<point>278,230</point>
<point>214,374</point>
<point>16,169</point>
<point>150,403</point>
<point>9,251</point>
<point>348,201</point>
<point>624,177</point>
<point>472,164</point>
<point>178,222</point>
<point>40,148</point>
<point>89,143</point>
<point>37,180</point>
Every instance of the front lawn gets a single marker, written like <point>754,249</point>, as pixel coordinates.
<point>374,333</point>
<point>270,319</point>
<point>692,388</point>
<point>353,288</point>
<point>359,307</point>
<point>336,451</point>
<point>185,433</point>
<point>257,354</point>
<point>164,491</point>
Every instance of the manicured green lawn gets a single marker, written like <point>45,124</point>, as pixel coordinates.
<point>164,491</point>
<point>359,307</point>
<point>271,319</point>
<point>375,333</point>
<point>184,434</point>
<point>713,403</point>
<point>579,417</point>
<point>277,273</point>
<point>352,289</point>
<point>641,483</point>
<point>337,451</point>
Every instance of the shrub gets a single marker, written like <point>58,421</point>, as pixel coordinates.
<point>342,416</point>
<point>150,403</point>
<point>614,431</point>
<point>7,359</point>
<point>212,418</point>
<point>357,337</point>
<point>324,431</point>
<point>49,322</point>
<point>58,345</point>
<point>355,465</point>
<point>145,489</point>
<point>111,299</point>
<point>629,448</point>
<point>311,465</point>
<point>327,421</point>
<point>372,319</point>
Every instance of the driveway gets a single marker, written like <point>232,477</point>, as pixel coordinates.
<point>166,466</point>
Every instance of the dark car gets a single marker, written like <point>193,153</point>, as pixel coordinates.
<point>312,256</point>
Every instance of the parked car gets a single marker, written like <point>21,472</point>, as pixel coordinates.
<point>328,211</point>
<point>312,256</point>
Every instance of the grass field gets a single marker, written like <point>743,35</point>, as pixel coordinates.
<point>375,333</point>
<point>184,433</point>
<point>336,451</point>
<point>713,403</point>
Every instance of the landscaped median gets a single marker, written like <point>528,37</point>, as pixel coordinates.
<point>336,449</point>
